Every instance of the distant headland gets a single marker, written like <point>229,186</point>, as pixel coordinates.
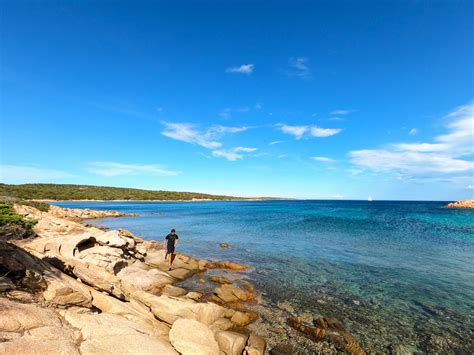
<point>66,192</point>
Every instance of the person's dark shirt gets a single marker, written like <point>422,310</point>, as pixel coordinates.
<point>171,239</point>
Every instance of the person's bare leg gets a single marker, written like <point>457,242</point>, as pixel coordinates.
<point>170,259</point>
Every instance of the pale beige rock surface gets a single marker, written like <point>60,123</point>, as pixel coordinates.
<point>190,337</point>
<point>108,292</point>
<point>461,204</point>
<point>231,343</point>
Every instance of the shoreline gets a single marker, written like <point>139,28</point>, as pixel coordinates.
<point>116,273</point>
<point>193,200</point>
<point>106,284</point>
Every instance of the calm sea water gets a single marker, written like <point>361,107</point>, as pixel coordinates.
<point>399,273</point>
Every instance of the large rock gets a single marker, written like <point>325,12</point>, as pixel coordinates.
<point>169,309</point>
<point>189,336</point>
<point>231,293</point>
<point>231,343</point>
<point>29,329</point>
<point>63,293</point>
<point>112,334</point>
<point>256,345</point>
<point>139,278</point>
<point>461,204</point>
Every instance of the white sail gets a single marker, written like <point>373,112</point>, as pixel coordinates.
<point>370,199</point>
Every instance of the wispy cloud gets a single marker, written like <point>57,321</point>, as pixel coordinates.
<point>298,66</point>
<point>234,153</point>
<point>243,69</point>
<point>111,169</point>
<point>413,132</point>
<point>296,131</point>
<point>18,174</point>
<point>441,158</point>
<point>228,111</point>
<point>275,142</point>
<point>186,132</point>
<point>324,132</point>
<point>323,159</point>
<point>341,112</point>
<point>300,131</point>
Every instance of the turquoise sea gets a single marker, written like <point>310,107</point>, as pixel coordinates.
<point>398,274</point>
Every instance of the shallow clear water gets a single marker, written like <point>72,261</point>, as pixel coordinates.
<point>397,273</point>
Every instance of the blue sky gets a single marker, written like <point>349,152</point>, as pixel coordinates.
<point>322,99</point>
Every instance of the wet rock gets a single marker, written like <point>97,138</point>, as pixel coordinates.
<point>228,265</point>
<point>277,330</point>
<point>189,336</point>
<point>243,318</point>
<point>232,294</point>
<point>224,245</point>
<point>256,345</point>
<point>231,343</point>
<point>282,349</point>
<point>220,280</point>
<point>286,307</point>
<point>330,330</point>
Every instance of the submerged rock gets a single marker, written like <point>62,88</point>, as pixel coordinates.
<point>330,330</point>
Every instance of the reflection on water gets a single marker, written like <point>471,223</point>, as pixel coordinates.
<point>396,273</point>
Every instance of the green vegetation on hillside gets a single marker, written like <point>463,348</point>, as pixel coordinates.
<point>12,225</point>
<point>86,192</point>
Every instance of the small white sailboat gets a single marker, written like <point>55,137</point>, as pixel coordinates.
<point>370,199</point>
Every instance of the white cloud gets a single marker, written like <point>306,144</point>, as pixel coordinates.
<point>299,67</point>
<point>409,162</point>
<point>233,154</point>
<point>243,69</point>
<point>299,131</point>
<point>442,158</point>
<point>413,132</point>
<point>295,131</point>
<point>186,132</point>
<point>470,187</point>
<point>228,154</point>
<point>275,142</point>
<point>244,149</point>
<point>323,159</point>
<point>19,174</point>
<point>341,112</point>
<point>227,112</point>
<point>119,169</point>
<point>324,132</point>
<point>421,147</point>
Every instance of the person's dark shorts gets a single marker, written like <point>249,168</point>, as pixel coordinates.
<point>170,250</point>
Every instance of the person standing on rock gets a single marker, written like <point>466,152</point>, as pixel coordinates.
<point>170,242</point>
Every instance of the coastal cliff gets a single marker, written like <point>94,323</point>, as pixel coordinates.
<point>461,204</point>
<point>77,289</point>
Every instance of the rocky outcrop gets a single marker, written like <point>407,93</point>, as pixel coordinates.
<point>461,204</point>
<point>77,289</point>
<point>78,214</point>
